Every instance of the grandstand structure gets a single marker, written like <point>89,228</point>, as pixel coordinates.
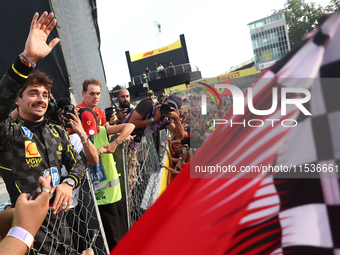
<point>181,73</point>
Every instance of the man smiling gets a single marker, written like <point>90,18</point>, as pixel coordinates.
<point>31,146</point>
<point>33,99</point>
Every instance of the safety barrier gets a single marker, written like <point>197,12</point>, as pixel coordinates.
<point>80,227</point>
<point>140,174</point>
<point>74,231</point>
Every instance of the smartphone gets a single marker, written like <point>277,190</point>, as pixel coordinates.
<point>36,192</point>
<point>68,109</point>
<point>108,113</point>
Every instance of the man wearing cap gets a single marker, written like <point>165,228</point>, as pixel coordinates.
<point>94,140</point>
<point>150,94</point>
<point>147,116</point>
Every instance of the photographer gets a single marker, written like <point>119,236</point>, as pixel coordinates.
<point>148,116</point>
<point>124,107</point>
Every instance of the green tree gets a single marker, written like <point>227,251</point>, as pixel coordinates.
<point>301,18</point>
<point>334,6</point>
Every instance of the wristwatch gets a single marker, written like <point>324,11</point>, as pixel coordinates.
<point>83,134</point>
<point>117,141</point>
<point>70,182</point>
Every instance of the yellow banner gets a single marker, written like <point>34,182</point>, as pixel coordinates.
<point>175,89</point>
<point>224,77</point>
<point>213,80</point>
<point>138,56</point>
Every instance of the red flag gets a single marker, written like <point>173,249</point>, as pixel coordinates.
<point>248,215</point>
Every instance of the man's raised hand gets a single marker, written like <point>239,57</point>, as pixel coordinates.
<point>36,47</point>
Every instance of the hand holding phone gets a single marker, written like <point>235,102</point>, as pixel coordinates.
<point>68,109</point>
<point>108,113</point>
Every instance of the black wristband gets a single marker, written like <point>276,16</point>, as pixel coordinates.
<point>19,67</point>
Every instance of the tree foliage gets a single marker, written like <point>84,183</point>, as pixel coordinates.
<point>301,18</point>
<point>334,6</point>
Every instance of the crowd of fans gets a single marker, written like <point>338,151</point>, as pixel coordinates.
<point>197,128</point>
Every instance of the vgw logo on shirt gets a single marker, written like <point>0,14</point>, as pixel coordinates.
<point>33,157</point>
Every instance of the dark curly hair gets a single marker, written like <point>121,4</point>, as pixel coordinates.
<point>38,77</point>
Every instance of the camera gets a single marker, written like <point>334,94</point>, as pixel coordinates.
<point>166,108</point>
<point>52,107</point>
<point>128,110</point>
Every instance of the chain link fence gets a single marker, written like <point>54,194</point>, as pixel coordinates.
<point>80,227</point>
<point>74,231</point>
<point>143,173</point>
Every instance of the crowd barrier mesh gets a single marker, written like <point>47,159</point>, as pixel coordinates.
<point>74,231</point>
<point>143,173</point>
<point>80,227</point>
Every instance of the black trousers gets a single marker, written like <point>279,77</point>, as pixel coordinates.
<point>113,222</point>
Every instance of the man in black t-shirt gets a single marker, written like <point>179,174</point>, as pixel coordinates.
<point>147,116</point>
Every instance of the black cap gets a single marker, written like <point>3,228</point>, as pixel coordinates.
<point>176,100</point>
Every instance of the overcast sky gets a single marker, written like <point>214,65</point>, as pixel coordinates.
<point>216,31</point>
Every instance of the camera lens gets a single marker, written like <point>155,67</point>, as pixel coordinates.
<point>172,105</point>
<point>165,109</point>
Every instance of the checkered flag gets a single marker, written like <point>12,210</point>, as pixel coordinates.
<point>282,213</point>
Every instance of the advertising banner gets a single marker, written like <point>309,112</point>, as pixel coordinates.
<point>170,47</point>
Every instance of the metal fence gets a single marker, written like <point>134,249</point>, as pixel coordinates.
<point>80,227</point>
<point>74,231</point>
<point>140,174</point>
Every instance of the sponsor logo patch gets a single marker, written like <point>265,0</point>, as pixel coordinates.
<point>31,150</point>
<point>54,132</point>
<point>26,132</point>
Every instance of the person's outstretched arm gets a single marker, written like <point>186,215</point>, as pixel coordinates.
<point>36,47</point>
<point>89,148</point>
<point>28,217</point>
<point>124,129</point>
<point>169,169</point>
